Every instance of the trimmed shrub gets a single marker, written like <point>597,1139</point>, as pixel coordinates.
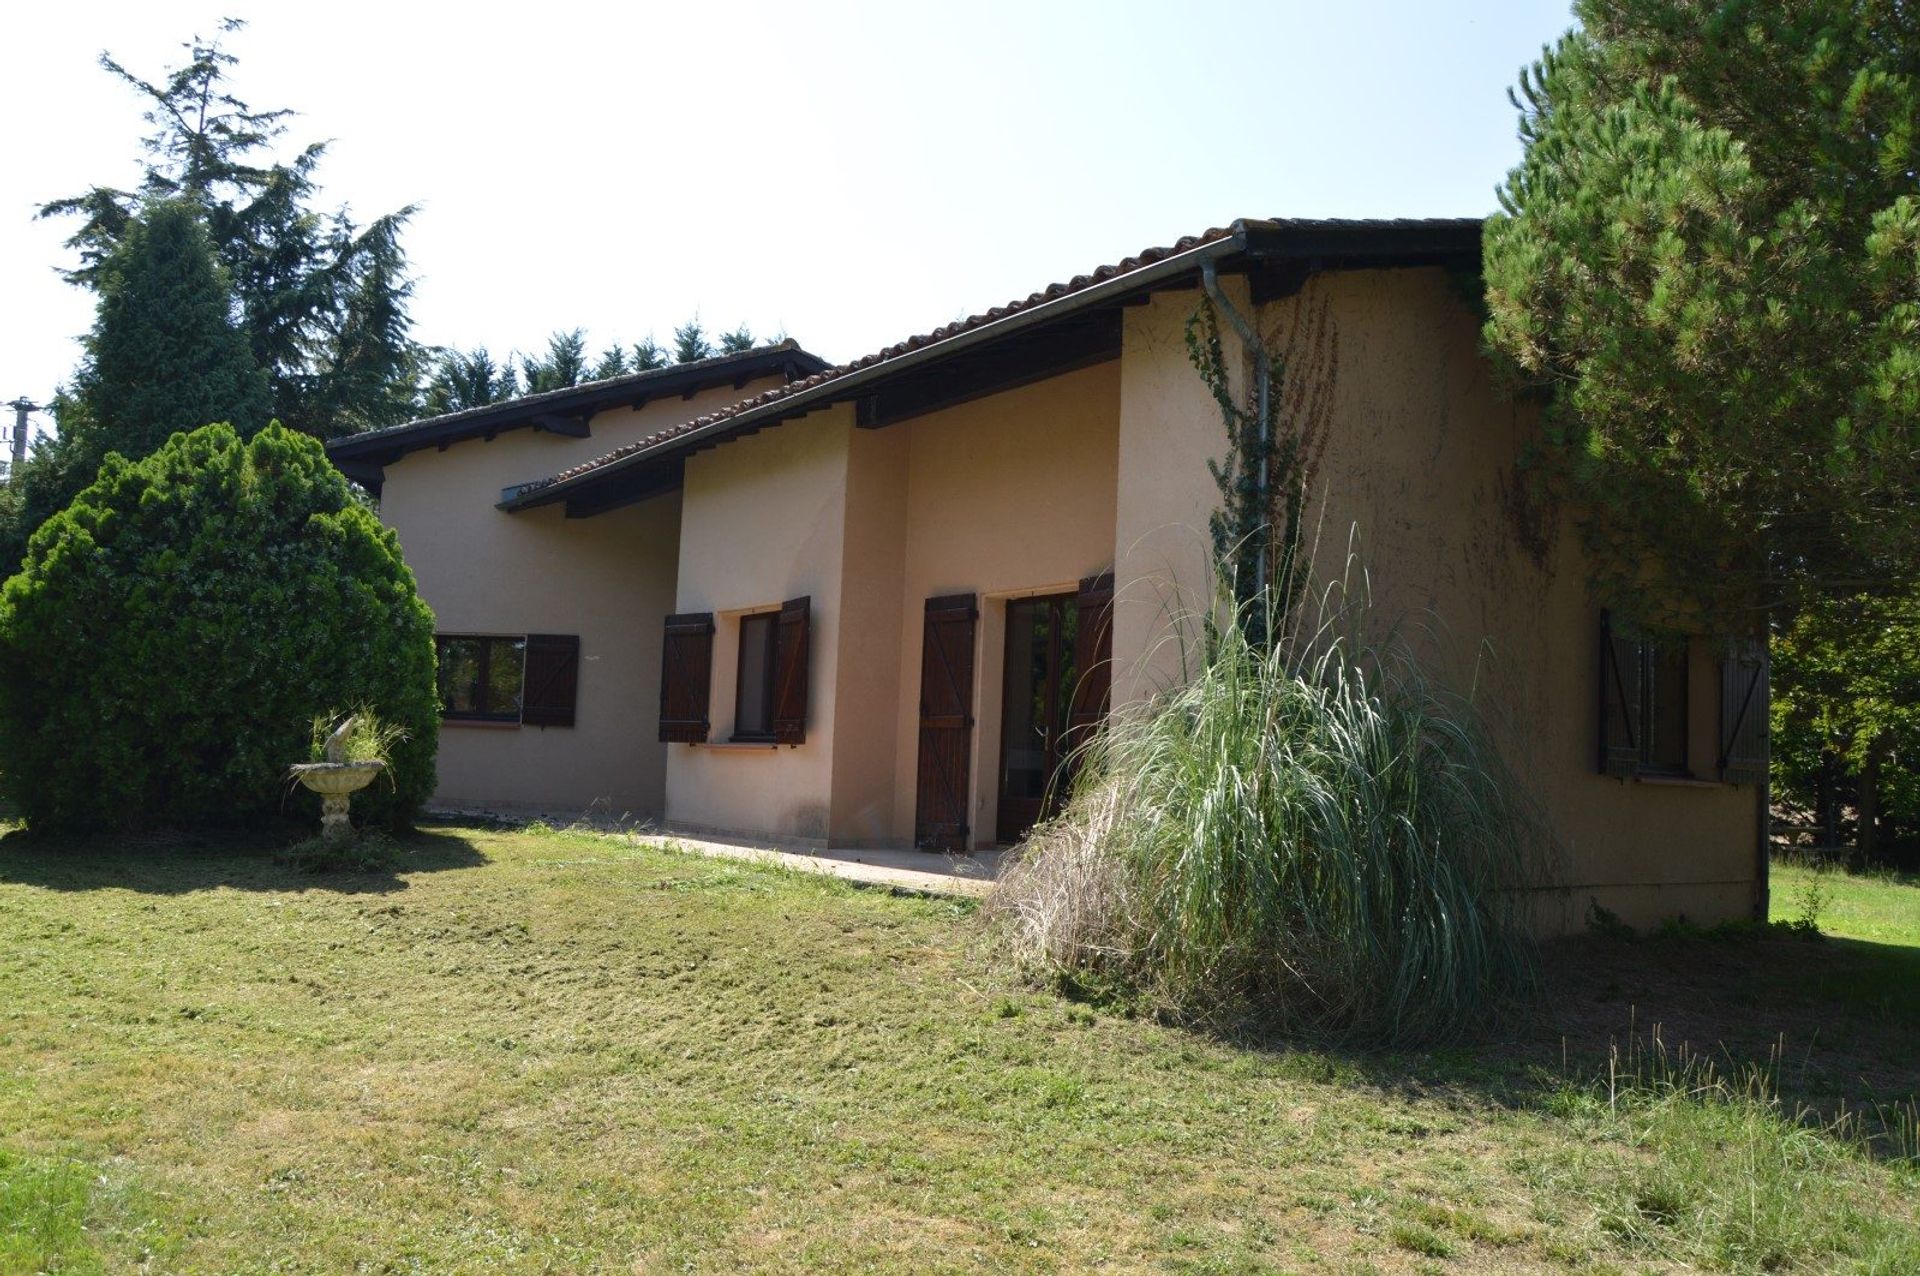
<point>174,631</point>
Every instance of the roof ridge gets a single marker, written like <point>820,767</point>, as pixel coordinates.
<point>783,346</point>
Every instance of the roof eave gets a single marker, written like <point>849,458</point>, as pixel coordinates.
<point>580,401</point>
<point>827,393</point>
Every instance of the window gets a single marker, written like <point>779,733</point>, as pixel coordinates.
<point>753,699</point>
<point>481,678</point>
<point>1644,704</point>
<point>770,687</point>
<point>531,680</point>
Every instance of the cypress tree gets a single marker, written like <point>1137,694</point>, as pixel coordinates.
<point>165,355</point>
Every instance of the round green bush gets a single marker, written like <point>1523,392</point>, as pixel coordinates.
<point>173,632</point>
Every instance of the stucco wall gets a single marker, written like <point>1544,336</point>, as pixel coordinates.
<point>1009,495</point>
<point>763,520</point>
<point>1418,469</point>
<point>609,579</point>
<point>1000,497</point>
<point>868,743</point>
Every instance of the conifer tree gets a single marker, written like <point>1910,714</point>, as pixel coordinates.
<point>647,355</point>
<point>563,365</point>
<point>690,342</point>
<point>165,355</point>
<point>463,379</point>
<point>323,300</point>
<point>1710,258</point>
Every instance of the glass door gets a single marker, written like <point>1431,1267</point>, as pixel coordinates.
<point>1036,699</point>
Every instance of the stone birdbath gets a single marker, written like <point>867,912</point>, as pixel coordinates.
<point>336,781</point>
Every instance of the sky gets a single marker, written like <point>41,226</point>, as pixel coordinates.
<point>846,173</point>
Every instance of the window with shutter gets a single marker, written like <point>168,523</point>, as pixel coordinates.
<point>552,680</point>
<point>1619,702</point>
<point>1643,703</point>
<point>1744,709</point>
<point>790,642</point>
<point>480,677</point>
<point>686,678</point>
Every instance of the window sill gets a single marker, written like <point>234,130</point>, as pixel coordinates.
<point>1679,781</point>
<point>742,746</point>
<point>484,724</point>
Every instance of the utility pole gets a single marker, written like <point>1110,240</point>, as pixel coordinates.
<point>21,407</point>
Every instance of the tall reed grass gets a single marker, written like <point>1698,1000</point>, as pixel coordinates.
<point>1314,834</point>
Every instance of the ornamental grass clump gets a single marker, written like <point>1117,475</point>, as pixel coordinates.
<point>1311,836</point>
<point>368,739</point>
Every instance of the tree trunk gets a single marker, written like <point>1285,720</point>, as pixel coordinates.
<point>1868,839</point>
<point>1827,803</point>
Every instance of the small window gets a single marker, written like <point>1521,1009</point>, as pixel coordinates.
<point>1644,704</point>
<point>753,701</point>
<point>481,678</point>
<point>1666,719</point>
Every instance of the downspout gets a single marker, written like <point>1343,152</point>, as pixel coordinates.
<point>1263,407</point>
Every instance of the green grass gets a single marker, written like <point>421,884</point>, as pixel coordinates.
<point>554,1052</point>
<point>43,1211</point>
<point>1878,907</point>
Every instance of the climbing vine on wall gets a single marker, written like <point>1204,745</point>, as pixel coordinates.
<point>1266,474</point>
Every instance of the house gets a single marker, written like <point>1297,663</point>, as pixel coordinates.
<point>868,605</point>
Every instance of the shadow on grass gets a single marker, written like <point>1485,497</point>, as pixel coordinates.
<point>1834,1022</point>
<point>181,863</point>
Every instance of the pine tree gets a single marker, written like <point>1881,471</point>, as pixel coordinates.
<point>165,354</point>
<point>322,300</point>
<point>1710,259</point>
<point>468,379</point>
<point>737,341</point>
<point>647,355</point>
<point>562,366</point>
<point>690,342</point>
<point>612,363</point>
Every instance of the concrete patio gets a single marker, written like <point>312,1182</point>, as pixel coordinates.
<point>898,869</point>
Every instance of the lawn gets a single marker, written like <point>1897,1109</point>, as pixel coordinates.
<point>538,1051</point>
<point>1879,907</point>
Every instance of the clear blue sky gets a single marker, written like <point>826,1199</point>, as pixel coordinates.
<point>851,173</point>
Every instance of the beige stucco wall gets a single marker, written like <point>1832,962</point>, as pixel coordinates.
<point>609,579</point>
<point>763,520</point>
<point>1009,495</point>
<point>1026,492</point>
<point>1418,470</point>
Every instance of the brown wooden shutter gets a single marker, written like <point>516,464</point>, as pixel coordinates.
<point>552,680</point>
<point>1092,659</point>
<point>946,724</point>
<point>1744,709</point>
<point>1619,702</point>
<point>686,678</point>
<point>790,642</point>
